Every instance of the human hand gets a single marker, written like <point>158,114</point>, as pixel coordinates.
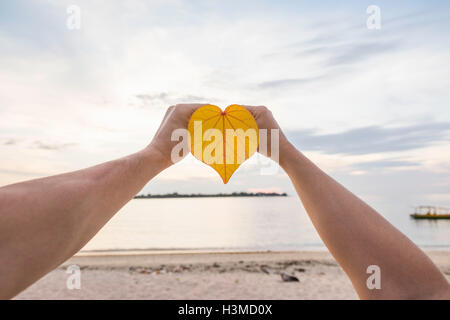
<point>265,120</point>
<point>176,117</point>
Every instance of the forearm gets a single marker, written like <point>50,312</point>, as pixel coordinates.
<point>358,236</point>
<point>44,222</point>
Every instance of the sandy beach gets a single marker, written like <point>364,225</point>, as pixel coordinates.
<point>203,275</point>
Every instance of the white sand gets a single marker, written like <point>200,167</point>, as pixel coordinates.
<point>202,275</point>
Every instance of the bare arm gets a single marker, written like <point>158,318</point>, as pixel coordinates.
<point>43,222</point>
<point>356,235</point>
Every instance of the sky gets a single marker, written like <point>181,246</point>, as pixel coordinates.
<point>369,106</point>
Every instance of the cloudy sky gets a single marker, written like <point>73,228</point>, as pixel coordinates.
<point>371,107</point>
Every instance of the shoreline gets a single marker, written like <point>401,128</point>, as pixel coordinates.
<point>152,251</point>
<point>153,258</point>
<point>132,252</point>
<point>204,275</point>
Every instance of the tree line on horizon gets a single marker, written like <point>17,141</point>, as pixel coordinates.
<point>213,195</point>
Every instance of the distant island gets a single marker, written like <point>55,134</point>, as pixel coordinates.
<point>213,195</point>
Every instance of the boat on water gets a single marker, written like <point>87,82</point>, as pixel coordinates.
<point>430,212</point>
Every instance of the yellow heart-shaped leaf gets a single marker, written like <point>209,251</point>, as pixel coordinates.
<point>223,139</point>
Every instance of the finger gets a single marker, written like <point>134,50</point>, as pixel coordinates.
<point>254,110</point>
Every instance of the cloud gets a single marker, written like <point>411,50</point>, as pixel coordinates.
<point>354,53</point>
<point>64,84</point>
<point>38,144</point>
<point>165,99</point>
<point>382,164</point>
<point>373,139</point>
<point>10,142</point>
<point>53,146</point>
<point>330,58</point>
<point>289,82</point>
